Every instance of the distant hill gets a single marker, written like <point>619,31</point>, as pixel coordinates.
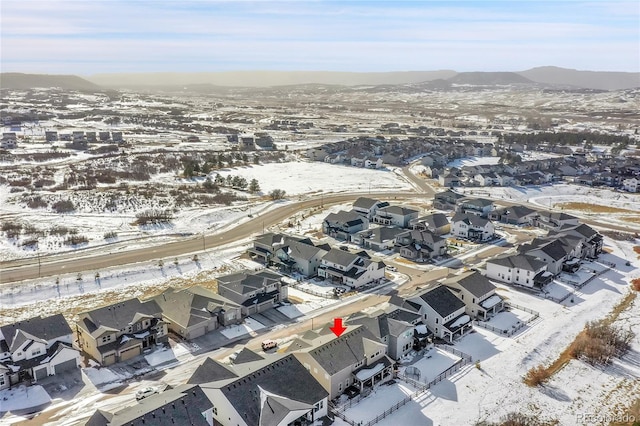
<point>267,78</point>
<point>489,78</point>
<point>14,80</point>
<point>601,80</point>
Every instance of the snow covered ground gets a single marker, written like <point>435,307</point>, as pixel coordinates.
<point>45,296</point>
<point>551,194</point>
<point>300,177</point>
<point>496,387</point>
<point>381,399</point>
<point>249,326</point>
<point>23,397</point>
<point>310,303</point>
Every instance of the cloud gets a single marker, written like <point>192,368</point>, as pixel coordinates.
<point>210,35</point>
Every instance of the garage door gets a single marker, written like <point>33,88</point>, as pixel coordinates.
<point>109,359</point>
<point>129,353</point>
<point>65,366</point>
<point>40,374</point>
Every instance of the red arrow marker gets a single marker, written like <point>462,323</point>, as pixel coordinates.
<point>337,328</point>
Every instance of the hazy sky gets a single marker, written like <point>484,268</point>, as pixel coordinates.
<point>86,37</point>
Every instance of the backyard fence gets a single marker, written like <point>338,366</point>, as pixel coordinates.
<point>422,388</point>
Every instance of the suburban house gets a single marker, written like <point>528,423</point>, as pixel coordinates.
<point>477,293</point>
<point>478,206</point>
<point>368,207</point>
<point>446,200</point>
<point>373,163</point>
<point>120,331</point>
<point>449,180</point>
<point>515,215</point>
<point>253,291</point>
<point>36,348</point>
<point>343,224</point>
<point>420,245</point>
<point>51,136</point>
<point>379,239</point>
<point>554,253</point>
<point>195,311</point>
<point>442,312</point>
<point>395,216</point>
<point>555,220</point>
<point>273,391</point>
<point>182,405</point>
<point>352,269</point>
<point>631,185</point>
<point>434,222</point>
<point>472,227</point>
<point>104,136</point>
<point>356,358</point>
<point>393,326</point>
<point>591,241</point>
<point>519,269</point>
<point>8,141</point>
<point>299,256</point>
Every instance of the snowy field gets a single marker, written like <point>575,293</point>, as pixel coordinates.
<point>549,195</point>
<point>45,296</point>
<point>496,387</point>
<point>298,178</point>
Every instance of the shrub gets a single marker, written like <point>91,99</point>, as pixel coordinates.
<point>536,376</point>
<point>635,284</point>
<point>31,242</point>
<point>75,240</point>
<point>110,234</point>
<point>63,206</point>
<point>154,216</point>
<point>600,343</point>
<point>277,194</point>
<point>59,230</point>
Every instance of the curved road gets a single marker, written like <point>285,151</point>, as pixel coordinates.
<point>30,268</point>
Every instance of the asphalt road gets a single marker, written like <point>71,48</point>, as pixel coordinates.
<point>51,265</point>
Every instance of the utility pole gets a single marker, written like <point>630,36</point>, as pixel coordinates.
<point>39,265</point>
<point>204,247</point>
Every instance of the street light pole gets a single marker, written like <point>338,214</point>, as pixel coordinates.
<point>204,248</point>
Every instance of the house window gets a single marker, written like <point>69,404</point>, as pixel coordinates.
<point>436,320</point>
<point>1,380</point>
<point>36,352</point>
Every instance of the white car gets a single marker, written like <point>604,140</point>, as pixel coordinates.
<point>146,392</point>
<point>391,268</point>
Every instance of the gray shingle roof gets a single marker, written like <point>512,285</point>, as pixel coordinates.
<point>365,203</point>
<point>46,328</point>
<point>191,306</point>
<point>340,257</point>
<point>247,281</point>
<point>519,261</point>
<point>182,405</point>
<point>119,315</point>
<point>344,351</point>
<point>211,371</point>
<point>442,301</point>
<point>470,219</point>
<point>285,377</point>
<point>475,283</point>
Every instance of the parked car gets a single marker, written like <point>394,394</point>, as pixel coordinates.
<point>269,344</point>
<point>391,268</point>
<point>146,392</point>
